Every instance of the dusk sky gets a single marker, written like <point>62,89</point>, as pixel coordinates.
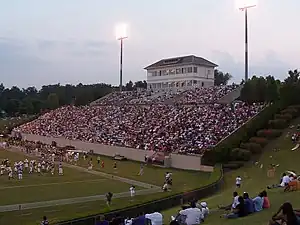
<point>72,41</point>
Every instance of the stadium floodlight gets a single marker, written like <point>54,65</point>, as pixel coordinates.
<point>244,5</point>
<point>121,34</point>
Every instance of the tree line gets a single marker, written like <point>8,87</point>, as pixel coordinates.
<point>16,101</point>
<point>267,89</point>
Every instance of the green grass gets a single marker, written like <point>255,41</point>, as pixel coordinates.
<point>255,180</point>
<point>36,187</point>
<point>183,181</point>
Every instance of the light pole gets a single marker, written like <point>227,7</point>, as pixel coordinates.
<point>244,5</point>
<point>121,34</point>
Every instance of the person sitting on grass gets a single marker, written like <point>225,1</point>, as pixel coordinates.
<point>286,215</point>
<point>266,202</point>
<point>239,211</point>
<point>258,202</point>
<point>283,182</point>
<point>248,203</point>
<point>234,203</point>
<point>193,214</point>
<point>292,185</point>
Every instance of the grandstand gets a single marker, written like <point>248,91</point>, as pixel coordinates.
<point>189,122</point>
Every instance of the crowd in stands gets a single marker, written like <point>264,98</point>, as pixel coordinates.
<point>157,127</point>
<point>202,95</point>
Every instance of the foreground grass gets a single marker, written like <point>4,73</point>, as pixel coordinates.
<point>255,180</point>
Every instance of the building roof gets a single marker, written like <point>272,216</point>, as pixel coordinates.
<point>181,61</point>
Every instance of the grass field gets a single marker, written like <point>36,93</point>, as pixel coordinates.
<point>255,180</point>
<point>76,183</point>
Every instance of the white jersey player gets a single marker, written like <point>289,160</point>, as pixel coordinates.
<point>132,191</point>
<point>39,167</point>
<point>60,170</point>
<point>26,164</point>
<point>20,173</point>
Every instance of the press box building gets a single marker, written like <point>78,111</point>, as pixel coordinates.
<point>180,73</point>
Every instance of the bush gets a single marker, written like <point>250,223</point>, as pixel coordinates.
<point>292,111</point>
<point>240,154</point>
<point>259,140</point>
<point>278,124</point>
<point>269,133</point>
<point>240,163</point>
<point>254,148</point>
<point>231,166</point>
<point>286,116</point>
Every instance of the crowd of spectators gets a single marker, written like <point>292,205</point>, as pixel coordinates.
<point>193,96</point>
<point>204,95</point>
<point>159,127</point>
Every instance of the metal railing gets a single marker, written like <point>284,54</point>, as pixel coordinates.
<point>157,205</point>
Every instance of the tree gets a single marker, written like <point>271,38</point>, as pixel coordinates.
<point>221,78</point>
<point>52,101</point>
<point>129,86</point>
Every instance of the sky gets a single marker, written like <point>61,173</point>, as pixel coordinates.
<point>73,41</point>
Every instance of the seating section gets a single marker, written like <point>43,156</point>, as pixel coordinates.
<point>183,128</point>
<point>192,96</point>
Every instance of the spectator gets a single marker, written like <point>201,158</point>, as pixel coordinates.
<point>234,203</point>
<point>266,203</point>
<point>286,214</point>
<point>249,205</point>
<point>258,202</point>
<point>102,221</point>
<point>45,221</point>
<point>156,218</point>
<point>193,215</point>
<point>239,211</point>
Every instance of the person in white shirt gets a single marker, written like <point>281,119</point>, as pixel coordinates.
<point>156,218</point>
<point>193,215</point>
<point>132,191</point>
<point>285,180</point>
<point>238,181</point>
<point>234,203</point>
<point>205,209</point>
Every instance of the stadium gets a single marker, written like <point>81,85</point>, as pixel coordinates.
<point>134,153</point>
<point>187,144</point>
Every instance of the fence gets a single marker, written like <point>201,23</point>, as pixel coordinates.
<point>157,205</point>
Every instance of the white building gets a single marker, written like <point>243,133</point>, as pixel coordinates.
<point>180,73</point>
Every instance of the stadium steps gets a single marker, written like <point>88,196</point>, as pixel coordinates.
<point>230,97</point>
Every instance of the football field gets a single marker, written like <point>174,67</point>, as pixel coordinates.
<point>81,192</point>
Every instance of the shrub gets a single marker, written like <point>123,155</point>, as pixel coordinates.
<point>240,163</point>
<point>259,140</point>
<point>292,111</point>
<point>286,116</point>
<point>269,133</point>
<point>278,124</point>
<point>231,166</point>
<point>252,147</point>
<point>240,154</point>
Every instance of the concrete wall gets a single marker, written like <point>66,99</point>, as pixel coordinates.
<point>177,161</point>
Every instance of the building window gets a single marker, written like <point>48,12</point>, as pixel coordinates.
<point>160,73</point>
<point>178,71</point>
<point>195,69</point>
<point>189,83</point>
<point>202,84</point>
<point>190,69</point>
<point>194,82</point>
<point>184,70</point>
<point>208,72</point>
<point>159,85</point>
<point>172,72</point>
